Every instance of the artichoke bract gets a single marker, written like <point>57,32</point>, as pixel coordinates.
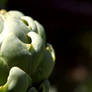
<point>26,60</point>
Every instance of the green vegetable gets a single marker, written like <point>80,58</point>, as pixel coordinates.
<point>26,60</point>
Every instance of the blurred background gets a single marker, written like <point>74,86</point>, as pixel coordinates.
<point>68,25</point>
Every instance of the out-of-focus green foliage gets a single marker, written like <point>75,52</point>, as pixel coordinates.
<point>3,3</point>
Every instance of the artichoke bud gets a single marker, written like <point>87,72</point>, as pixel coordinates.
<point>30,23</point>
<point>46,66</point>
<point>24,54</point>
<point>26,42</point>
<point>14,13</point>
<point>3,11</point>
<point>18,81</point>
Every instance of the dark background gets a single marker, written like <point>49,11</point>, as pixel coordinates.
<point>63,20</point>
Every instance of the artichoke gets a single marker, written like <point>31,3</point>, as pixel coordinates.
<point>26,60</point>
